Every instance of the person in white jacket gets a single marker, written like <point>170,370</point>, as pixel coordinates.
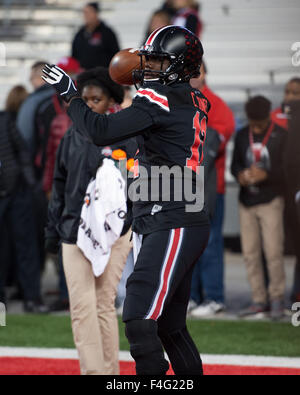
<point>92,299</point>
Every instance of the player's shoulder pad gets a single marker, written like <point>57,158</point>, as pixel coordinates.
<point>154,93</point>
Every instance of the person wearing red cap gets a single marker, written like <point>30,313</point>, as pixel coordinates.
<point>70,65</point>
<point>209,272</point>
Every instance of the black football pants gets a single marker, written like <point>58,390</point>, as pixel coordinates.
<point>157,297</point>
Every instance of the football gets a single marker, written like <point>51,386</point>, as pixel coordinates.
<point>123,64</point>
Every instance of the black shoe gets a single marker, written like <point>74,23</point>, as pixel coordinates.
<point>277,310</point>
<point>257,310</point>
<point>35,307</point>
<point>60,305</point>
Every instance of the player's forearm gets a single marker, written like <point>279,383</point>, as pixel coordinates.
<point>104,129</point>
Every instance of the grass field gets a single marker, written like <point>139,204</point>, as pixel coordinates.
<point>212,337</point>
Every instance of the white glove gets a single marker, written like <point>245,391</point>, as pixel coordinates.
<point>64,85</point>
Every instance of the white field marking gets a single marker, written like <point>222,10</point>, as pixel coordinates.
<point>51,353</point>
<point>235,360</point>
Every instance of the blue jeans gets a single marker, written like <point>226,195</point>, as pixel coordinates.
<point>208,277</point>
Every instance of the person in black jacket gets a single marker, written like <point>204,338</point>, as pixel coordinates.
<point>95,44</point>
<point>211,149</point>
<point>92,300</point>
<point>258,167</point>
<point>17,180</point>
<point>34,123</point>
<point>292,178</point>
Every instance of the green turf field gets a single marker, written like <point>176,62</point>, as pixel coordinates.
<point>212,337</point>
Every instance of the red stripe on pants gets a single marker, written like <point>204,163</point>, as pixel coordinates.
<point>167,274</point>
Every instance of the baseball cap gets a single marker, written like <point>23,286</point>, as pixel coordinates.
<point>69,65</point>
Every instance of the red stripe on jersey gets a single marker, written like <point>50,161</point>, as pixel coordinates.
<point>166,275</point>
<point>160,100</point>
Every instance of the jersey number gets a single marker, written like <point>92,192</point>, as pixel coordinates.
<point>136,171</point>
<point>196,158</point>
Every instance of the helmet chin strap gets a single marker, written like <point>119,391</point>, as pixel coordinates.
<point>173,78</point>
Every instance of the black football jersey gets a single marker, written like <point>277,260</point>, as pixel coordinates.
<point>170,122</point>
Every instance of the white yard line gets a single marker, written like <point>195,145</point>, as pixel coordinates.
<point>52,353</point>
<point>235,360</point>
<point>249,360</point>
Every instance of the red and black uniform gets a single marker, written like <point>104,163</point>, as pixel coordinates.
<point>170,122</point>
<point>171,125</point>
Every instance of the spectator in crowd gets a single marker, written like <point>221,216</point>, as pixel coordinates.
<point>59,125</point>
<point>34,122</point>
<point>31,111</point>
<point>17,181</point>
<point>281,117</point>
<point>159,19</point>
<point>292,178</point>
<point>184,13</point>
<point>292,92</point>
<point>168,7</point>
<point>95,44</point>
<point>58,128</point>
<point>211,264</point>
<point>211,150</point>
<point>187,15</point>
<point>258,167</point>
<point>92,300</point>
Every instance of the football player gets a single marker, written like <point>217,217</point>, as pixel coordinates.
<point>169,118</point>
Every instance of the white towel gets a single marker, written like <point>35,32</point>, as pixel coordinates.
<point>102,216</point>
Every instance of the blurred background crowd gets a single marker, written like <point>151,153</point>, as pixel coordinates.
<point>254,90</point>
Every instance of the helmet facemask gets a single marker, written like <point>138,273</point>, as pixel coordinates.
<point>177,71</point>
<point>180,47</point>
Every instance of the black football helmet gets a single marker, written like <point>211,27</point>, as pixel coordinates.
<point>180,46</point>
